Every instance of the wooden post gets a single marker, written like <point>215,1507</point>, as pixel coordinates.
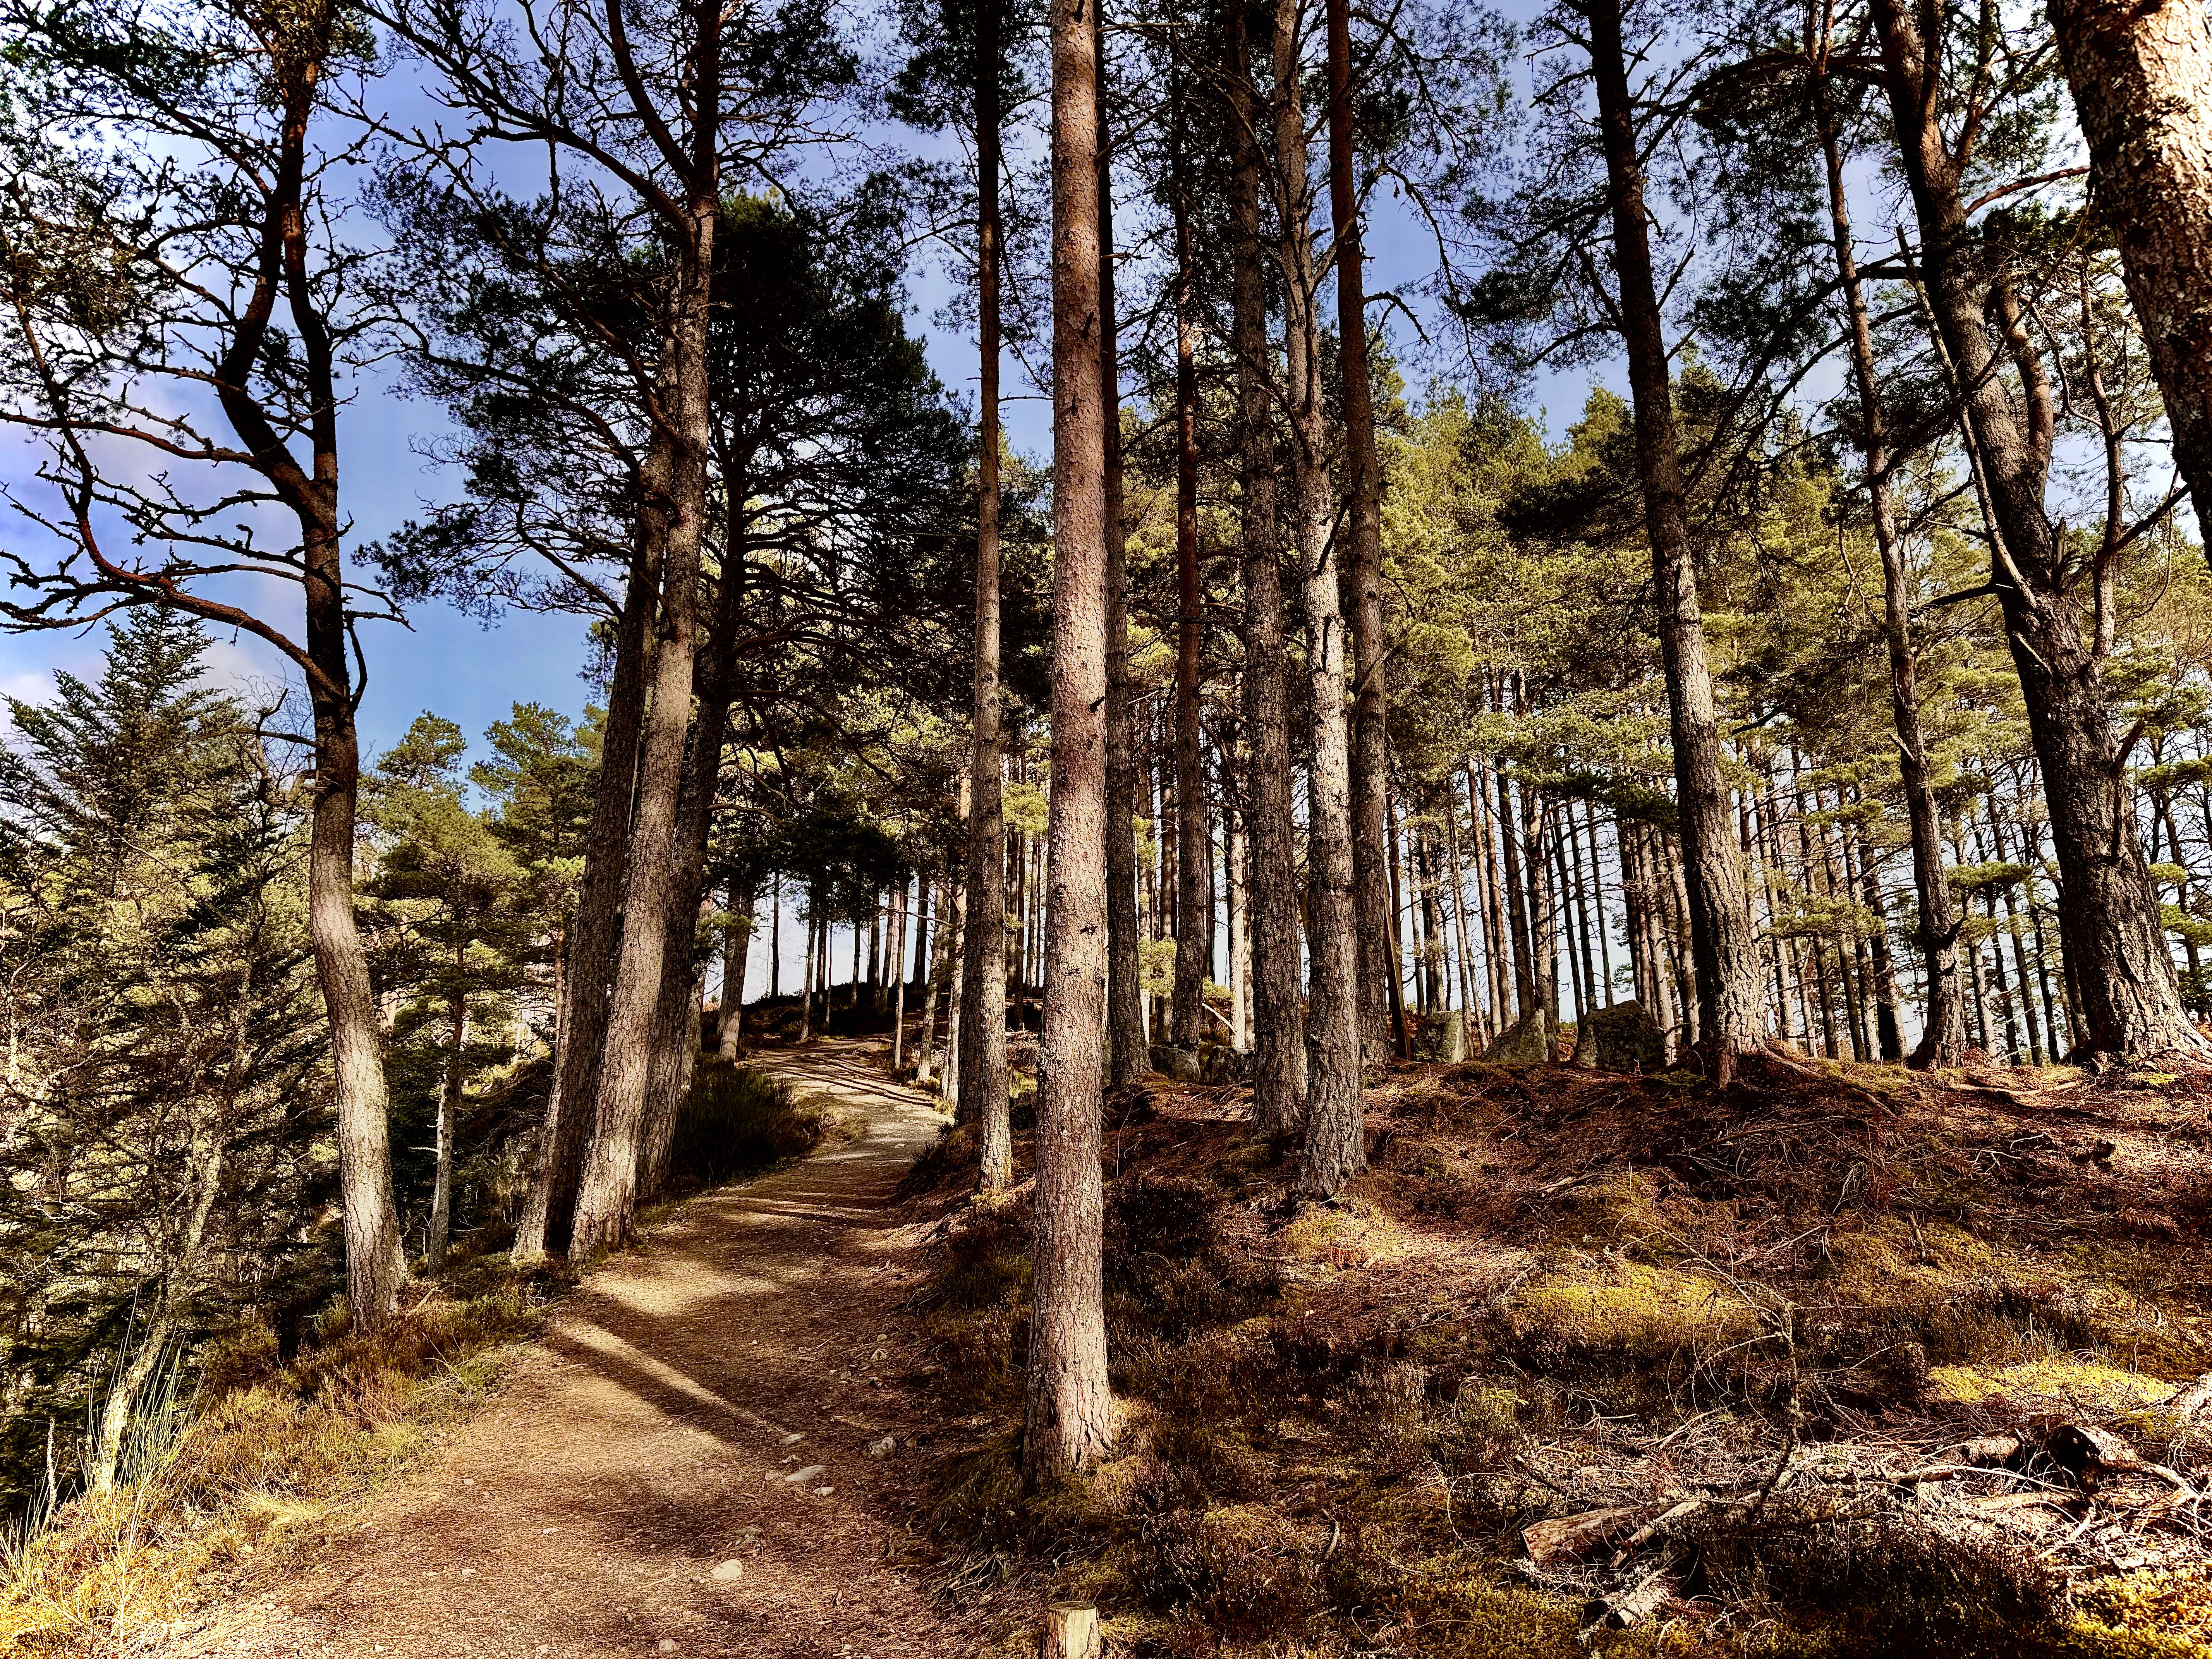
<point>1071,1632</point>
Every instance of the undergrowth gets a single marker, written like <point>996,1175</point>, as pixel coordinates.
<point>1554,1290</point>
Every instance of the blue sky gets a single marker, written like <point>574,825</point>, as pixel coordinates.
<point>471,674</point>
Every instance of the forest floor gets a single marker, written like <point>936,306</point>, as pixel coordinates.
<point>1837,1362</point>
<point>691,1460</point>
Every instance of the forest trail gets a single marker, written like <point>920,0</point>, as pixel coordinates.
<point>646,1439</point>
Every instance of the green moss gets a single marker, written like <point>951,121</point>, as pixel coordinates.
<point>2080,1383</point>
<point>1630,1309</point>
<point>2142,1615</point>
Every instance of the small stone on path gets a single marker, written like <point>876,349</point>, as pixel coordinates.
<point>667,1644</point>
<point>792,1439</point>
<point>883,1448</point>
<point>728,1572</point>
<point>800,1477</point>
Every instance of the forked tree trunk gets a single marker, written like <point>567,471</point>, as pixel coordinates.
<point>1335,1148</point>
<point>606,1201</point>
<point>2108,910</point>
<point>1381,1006</point>
<point>983,1057</point>
<point>1070,1416</point>
<point>550,1207</point>
<point>1278,1056</point>
<point>2141,75</point>
<point>1723,946</point>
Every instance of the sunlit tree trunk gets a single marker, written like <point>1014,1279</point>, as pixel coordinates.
<point>1723,946</point>
<point>1069,1421</point>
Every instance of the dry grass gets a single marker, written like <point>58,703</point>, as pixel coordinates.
<point>271,1447</point>
<point>1558,1290</point>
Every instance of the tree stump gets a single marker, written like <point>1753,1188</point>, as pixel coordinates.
<point>1071,1632</point>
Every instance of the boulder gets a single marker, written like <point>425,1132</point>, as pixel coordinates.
<point>1442,1038</point>
<point>1176,1064</point>
<point>1532,1040</point>
<point>1628,1039</point>
<point>1219,1065</point>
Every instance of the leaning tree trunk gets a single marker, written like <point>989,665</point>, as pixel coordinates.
<point>1125,1003</point>
<point>606,1202</point>
<point>983,1057</point>
<point>1382,1000</point>
<point>2108,910</point>
<point>2141,75</point>
<point>1279,1050</point>
<point>1724,946</point>
<point>550,1206</point>
<point>1943,1035</point>
<point>1335,1147</point>
<point>1069,1422</point>
<point>375,1265</point>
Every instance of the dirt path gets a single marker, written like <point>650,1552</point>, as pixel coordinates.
<point>649,1442</point>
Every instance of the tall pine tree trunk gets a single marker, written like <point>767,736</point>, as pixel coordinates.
<point>606,1200</point>
<point>1186,1013</point>
<point>1334,1143</point>
<point>551,1204</point>
<point>1943,1032</point>
<point>982,1013</point>
<point>1723,946</point>
<point>1382,1002</point>
<point>1278,1057</point>
<point>1125,1002</point>
<point>1070,1416</point>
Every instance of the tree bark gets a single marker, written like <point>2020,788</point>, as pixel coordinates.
<point>983,1097</point>
<point>1070,1424</point>
<point>2142,75</point>
<point>1362,490</point>
<point>1335,1146</point>
<point>1723,947</point>
<point>1125,1003</point>
<point>1194,879</point>
<point>606,1199</point>
<point>1279,1059</point>
<point>2108,913</point>
<point>544,1229</point>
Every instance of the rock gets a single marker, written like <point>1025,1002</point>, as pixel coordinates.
<point>1532,1040</point>
<point>1219,1065</point>
<point>1176,1064</point>
<point>823,1492</point>
<point>800,1477</point>
<point>1628,1039</point>
<point>727,1572</point>
<point>792,1439</point>
<point>667,1644</point>
<point>883,1448</point>
<point>1442,1038</point>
